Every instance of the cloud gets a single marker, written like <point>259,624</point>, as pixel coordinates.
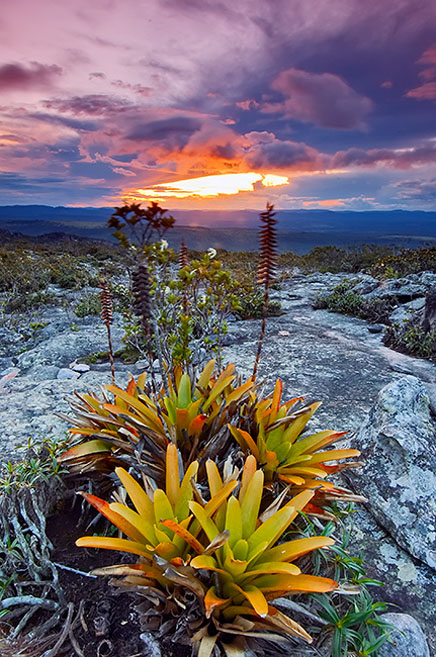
<point>264,150</point>
<point>417,190</point>
<point>35,75</point>
<point>175,131</point>
<point>89,104</point>
<point>75,124</point>
<point>401,158</point>
<point>324,99</point>
<point>326,203</point>
<point>136,88</point>
<point>426,91</point>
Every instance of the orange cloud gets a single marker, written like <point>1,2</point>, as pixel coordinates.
<point>326,203</point>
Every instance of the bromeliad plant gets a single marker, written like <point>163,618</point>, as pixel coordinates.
<point>193,415</point>
<point>275,438</point>
<point>225,551</point>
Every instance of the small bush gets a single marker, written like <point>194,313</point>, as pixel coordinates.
<point>410,338</point>
<point>251,306</point>
<point>88,305</point>
<point>347,302</point>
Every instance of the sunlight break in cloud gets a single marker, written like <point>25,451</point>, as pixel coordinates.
<point>229,183</point>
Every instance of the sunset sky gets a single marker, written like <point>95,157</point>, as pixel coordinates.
<point>305,103</point>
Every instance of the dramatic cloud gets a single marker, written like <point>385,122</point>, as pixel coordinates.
<point>328,101</point>
<point>324,99</point>
<point>33,76</point>
<point>264,150</point>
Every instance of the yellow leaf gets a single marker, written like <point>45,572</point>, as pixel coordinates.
<point>255,597</point>
<point>292,550</point>
<point>251,504</point>
<point>334,455</point>
<point>137,494</point>
<point>206,374</point>
<point>109,543</point>
<point>212,601</point>
<point>213,477</point>
<point>183,533</point>
<point>172,474</point>
<point>248,471</point>
<point>141,524</point>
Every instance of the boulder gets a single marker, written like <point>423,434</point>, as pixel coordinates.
<point>429,321</point>
<point>398,445</point>
<point>407,641</point>
<point>406,310</point>
<point>401,289</point>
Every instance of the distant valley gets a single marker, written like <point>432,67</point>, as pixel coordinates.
<point>299,230</point>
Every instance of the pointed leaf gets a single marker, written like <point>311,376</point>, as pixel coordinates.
<point>251,504</point>
<point>172,474</point>
<point>109,543</point>
<point>137,494</point>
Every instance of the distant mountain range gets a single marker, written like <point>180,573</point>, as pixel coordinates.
<point>299,230</point>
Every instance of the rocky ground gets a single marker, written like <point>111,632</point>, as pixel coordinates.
<point>333,358</point>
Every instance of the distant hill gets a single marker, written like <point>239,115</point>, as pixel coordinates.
<point>300,230</point>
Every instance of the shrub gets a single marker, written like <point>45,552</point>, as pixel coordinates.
<point>88,305</point>
<point>409,337</point>
<point>407,261</point>
<point>343,299</point>
<point>251,306</point>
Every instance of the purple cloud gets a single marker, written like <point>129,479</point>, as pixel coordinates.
<point>265,150</point>
<point>35,75</point>
<point>90,104</point>
<point>324,99</point>
<point>175,131</point>
<point>421,190</point>
<point>395,158</point>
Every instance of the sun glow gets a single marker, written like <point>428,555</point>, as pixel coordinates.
<point>211,186</point>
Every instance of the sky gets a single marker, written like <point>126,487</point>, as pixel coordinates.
<point>219,104</point>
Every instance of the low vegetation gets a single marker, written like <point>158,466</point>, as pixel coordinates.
<point>410,337</point>
<point>343,299</point>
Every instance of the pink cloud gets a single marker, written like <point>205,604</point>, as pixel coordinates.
<point>426,91</point>
<point>35,75</point>
<point>320,98</point>
<point>247,105</point>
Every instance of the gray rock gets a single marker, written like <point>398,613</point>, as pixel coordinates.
<point>45,372</point>
<point>398,444</point>
<point>64,373</point>
<point>431,392</point>
<point>376,328</point>
<point>140,366</point>
<point>79,367</point>
<point>410,585</point>
<point>406,310</point>
<point>64,347</point>
<point>403,289</point>
<point>407,641</point>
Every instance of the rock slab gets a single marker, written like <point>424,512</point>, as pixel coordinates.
<point>398,444</point>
